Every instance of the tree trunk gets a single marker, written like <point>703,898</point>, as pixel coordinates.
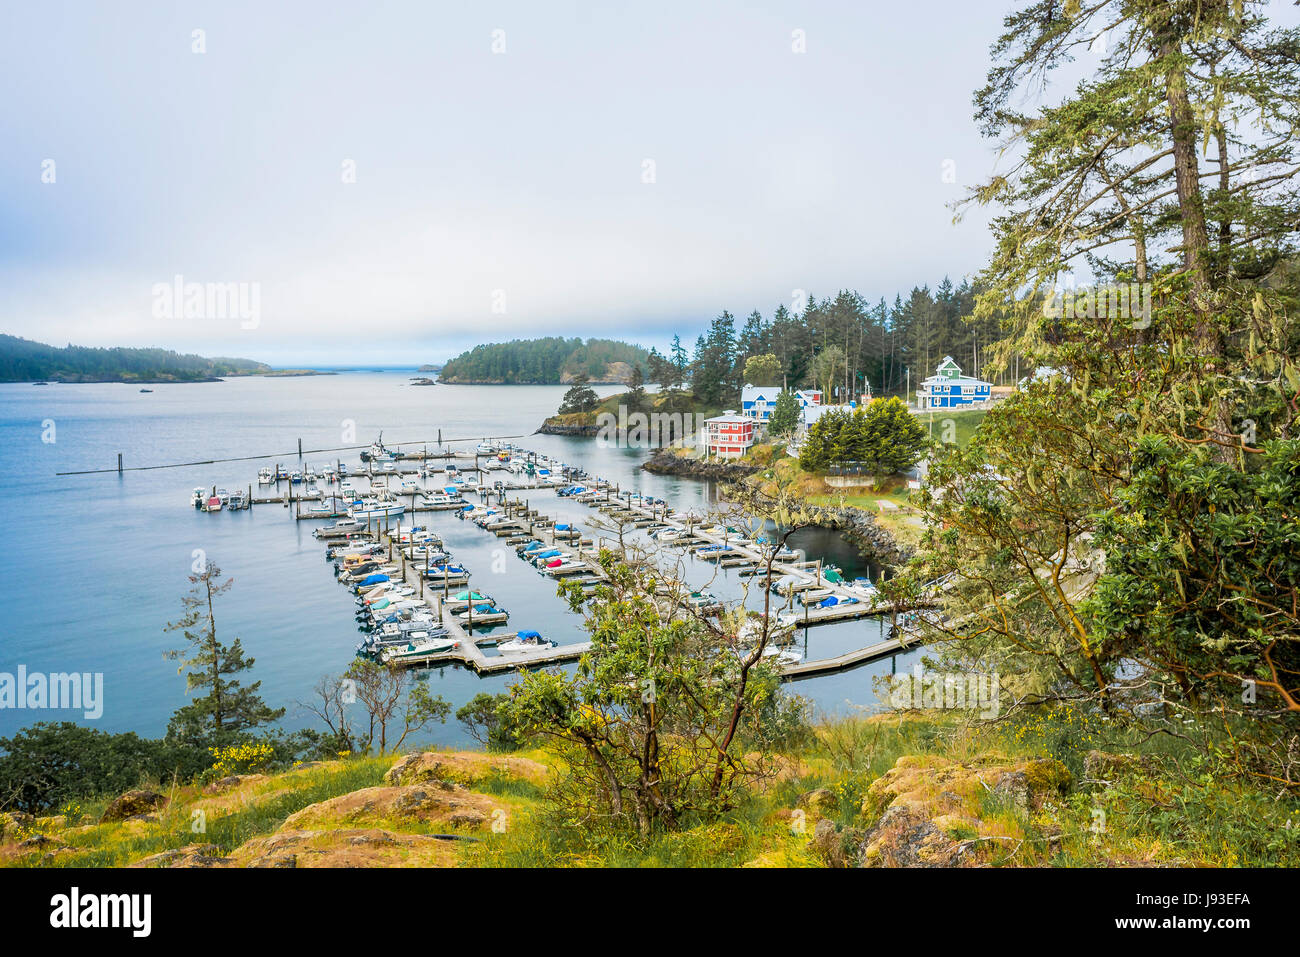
<point>1196,240</point>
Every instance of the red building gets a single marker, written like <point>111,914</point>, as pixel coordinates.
<point>728,436</point>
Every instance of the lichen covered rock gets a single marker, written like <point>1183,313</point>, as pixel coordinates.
<point>132,804</point>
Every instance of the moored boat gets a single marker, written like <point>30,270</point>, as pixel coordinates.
<point>523,643</point>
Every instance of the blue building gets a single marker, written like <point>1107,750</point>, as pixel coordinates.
<point>757,402</point>
<point>949,389</point>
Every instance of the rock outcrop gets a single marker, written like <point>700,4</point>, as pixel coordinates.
<point>664,462</point>
<point>929,811</point>
<point>132,804</point>
<point>462,768</point>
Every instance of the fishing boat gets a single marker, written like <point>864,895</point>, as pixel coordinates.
<point>213,504</point>
<point>295,477</point>
<point>236,500</point>
<point>265,476</point>
<point>198,497</point>
<point>523,643</point>
<point>377,452</point>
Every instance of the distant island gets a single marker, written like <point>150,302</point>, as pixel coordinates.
<point>429,368</point>
<point>549,361</point>
<point>24,360</point>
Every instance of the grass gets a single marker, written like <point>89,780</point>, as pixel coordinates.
<point>117,844</point>
<point>1179,805</point>
<point>1162,816</point>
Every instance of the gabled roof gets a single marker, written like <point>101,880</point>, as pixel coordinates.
<point>954,380</point>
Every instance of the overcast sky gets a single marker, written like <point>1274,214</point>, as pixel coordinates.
<point>617,169</point>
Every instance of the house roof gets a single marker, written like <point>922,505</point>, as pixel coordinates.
<point>949,380</point>
<point>730,417</point>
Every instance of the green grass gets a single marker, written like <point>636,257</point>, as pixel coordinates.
<point>958,427</point>
<point>114,845</point>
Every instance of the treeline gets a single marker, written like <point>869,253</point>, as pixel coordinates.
<point>546,361</point>
<point>23,360</point>
<point>841,344</point>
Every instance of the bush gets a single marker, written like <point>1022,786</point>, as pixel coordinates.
<point>50,765</point>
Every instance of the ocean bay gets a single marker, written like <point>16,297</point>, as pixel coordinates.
<point>114,551</point>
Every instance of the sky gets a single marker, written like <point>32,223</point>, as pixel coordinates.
<point>391,183</point>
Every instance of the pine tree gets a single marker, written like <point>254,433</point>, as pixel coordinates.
<point>785,414</point>
<point>228,710</point>
<point>580,397</point>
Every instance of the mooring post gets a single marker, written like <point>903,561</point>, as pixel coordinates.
<point>119,463</point>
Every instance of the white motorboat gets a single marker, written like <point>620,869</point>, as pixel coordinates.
<point>523,643</point>
<point>265,476</point>
<point>376,509</point>
<point>784,656</point>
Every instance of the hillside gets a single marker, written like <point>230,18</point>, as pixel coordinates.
<point>917,790</point>
<point>677,403</point>
<point>23,360</point>
<point>549,361</point>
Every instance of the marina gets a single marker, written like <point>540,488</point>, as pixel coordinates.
<point>134,551</point>
<point>463,483</point>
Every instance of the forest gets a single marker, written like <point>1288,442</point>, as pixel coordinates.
<point>23,360</point>
<point>546,361</point>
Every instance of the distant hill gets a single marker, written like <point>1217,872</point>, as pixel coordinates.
<point>22,360</point>
<point>548,361</point>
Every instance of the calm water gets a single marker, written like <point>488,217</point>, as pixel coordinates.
<point>98,562</point>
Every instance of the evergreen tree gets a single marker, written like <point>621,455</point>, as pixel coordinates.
<point>785,414</point>
<point>580,397</point>
<point>635,397</point>
<point>228,710</point>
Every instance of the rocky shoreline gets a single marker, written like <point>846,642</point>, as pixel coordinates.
<point>664,462</point>
<point>557,428</point>
<point>874,540</point>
